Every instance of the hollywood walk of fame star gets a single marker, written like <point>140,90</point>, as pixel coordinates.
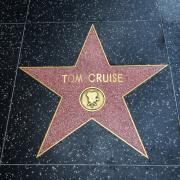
<point>92,90</point>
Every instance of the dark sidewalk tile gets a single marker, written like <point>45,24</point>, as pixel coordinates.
<point>172,35</point>
<point>169,9</point>
<point>13,11</point>
<point>152,105</point>
<point>132,42</point>
<point>89,172</point>
<point>94,10</point>
<point>53,44</point>
<point>124,43</point>
<point>10,39</point>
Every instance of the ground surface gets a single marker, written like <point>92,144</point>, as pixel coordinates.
<point>51,33</point>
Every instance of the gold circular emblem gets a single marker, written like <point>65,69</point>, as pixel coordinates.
<point>92,99</point>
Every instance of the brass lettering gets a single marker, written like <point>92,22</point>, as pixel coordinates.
<point>70,78</point>
<point>64,77</point>
<point>78,78</point>
<point>120,78</point>
<point>98,78</point>
<point>114,77</point>
<point>91,77</point>
<point>105,78</point>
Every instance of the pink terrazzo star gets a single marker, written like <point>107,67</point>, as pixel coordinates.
<point>114,115</point>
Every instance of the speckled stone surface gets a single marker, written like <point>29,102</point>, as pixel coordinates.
<point>93,10</point>
<point>10,38</point>
<point>131,33</point>
<point>85,172</point>
<point>172,35</point>
<point>169,9</point>
<point>13,11</point>
<point>123,42</point>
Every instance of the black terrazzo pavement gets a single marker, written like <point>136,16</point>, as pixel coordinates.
<point>10,40</point>
<point>13,11</point>
<point>131,32</point>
